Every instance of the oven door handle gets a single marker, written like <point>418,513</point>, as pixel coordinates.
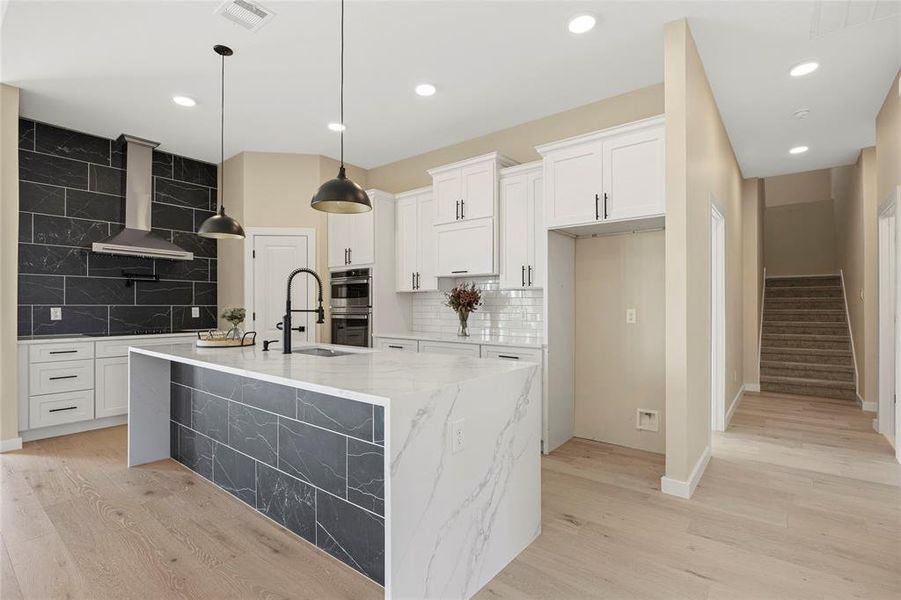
<point>347,280</point>
<point>348,316</point>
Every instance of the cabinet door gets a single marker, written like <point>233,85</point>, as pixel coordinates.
<point>425,252</point>
<point>407,223</point>
<point>111,391</point>
<point>427,347</point>
<point>447,191</point>
<point>634,174</point>
<point>397,345</point>
<point>537,235</point>
<point>338,239</point>
<point>515,206</point>
<point>479,190</point>
<point>361,238</point>
<point>574,178</point>
<point>465,248</point>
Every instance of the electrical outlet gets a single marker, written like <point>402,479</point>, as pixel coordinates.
<point>647,420</point>
<point>457,437</point>
<point>56,313</point>
<point>195,312</point>
<point>631,316</point>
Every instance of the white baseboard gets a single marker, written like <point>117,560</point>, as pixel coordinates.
<point>684,489</point>
<point>866,406</point>
<point>735,402</point>
<point>752,387</point>
<point>70,428</point>
<point>11,444</point>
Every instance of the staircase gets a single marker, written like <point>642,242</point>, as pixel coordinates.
<point>806,344</point>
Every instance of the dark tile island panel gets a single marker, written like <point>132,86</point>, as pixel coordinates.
<point>311,462</point>
<point>72,194</point>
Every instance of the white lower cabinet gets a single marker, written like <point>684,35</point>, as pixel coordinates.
<point>397,345</point>
<point>508,353</point>
<point>449,348</point>
<point>62,376</point>
<point>111,380</point>
<point>57,409</point>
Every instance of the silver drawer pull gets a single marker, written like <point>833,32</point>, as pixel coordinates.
<point>53,410</point>
<point>508,356</point>
<point>396,347</point>
<point>63,377</point>
<point>63,352</point>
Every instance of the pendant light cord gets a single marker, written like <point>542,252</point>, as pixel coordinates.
<point>222,137</point>
<point>343,127</point>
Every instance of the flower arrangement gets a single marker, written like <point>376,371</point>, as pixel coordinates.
<point>464,299</point>
<point>235,316</point>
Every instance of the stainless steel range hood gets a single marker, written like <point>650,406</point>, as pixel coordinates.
<point>137,239</point>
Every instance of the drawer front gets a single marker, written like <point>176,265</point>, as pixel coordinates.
<point>56,409</point>
<point>51,378</point>
<point>39,353</point>
<point>397,345</point>
<point>508,353</point>
<point>446,348</point>
<point>114,348</point>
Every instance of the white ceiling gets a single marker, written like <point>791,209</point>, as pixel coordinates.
<point>111,67</point>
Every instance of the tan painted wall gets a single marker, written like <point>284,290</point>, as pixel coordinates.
<point>753,200</point>
<point>888,142</point>
<point>519,142</point>
<point>856,221</point>
<point>796,188</point>
<point>800,239</point>
<point>620,367</point>
<point>699,162</point>
<point>9,235</point>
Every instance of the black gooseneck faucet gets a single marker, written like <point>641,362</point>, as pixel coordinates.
<point>285,325</point>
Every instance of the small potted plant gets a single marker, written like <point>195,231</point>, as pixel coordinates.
<point>235,316</point>
<point>464,299</point>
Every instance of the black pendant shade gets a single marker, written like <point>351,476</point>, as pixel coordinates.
<point>221,226</point>
<point>341,195</point>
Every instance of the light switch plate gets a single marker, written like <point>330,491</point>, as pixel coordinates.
<point>195,312</point>
<point>56,313</point>
<point>631,316</point>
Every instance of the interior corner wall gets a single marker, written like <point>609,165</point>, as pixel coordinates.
<point>700,164</point>
<point>619,366</point>
<point>888,142</point>
<point>752,204</point>
<point>9,237</point>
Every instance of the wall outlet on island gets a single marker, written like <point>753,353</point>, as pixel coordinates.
<point>195,312</point>
<point>457,437</point>
<point>56,313</point>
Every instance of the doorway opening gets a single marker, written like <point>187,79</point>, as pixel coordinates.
<point>888,416</point>
<point>717,319</point>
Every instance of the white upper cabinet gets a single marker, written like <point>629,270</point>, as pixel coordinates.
<point>415,243</point>
<point>521,230</point>
<point>611,175</point>
<point>465,248</point>
<point>467,189</point>
<point>351,238</point>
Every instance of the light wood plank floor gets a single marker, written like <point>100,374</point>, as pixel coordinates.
<point>801,500</point>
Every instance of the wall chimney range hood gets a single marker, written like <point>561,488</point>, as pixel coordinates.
<point>137,239</point>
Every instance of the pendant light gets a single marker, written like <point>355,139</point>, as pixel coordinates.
<point>221,226</point>
<point>341,195</point>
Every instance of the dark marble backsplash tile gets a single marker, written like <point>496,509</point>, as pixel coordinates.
<point>253,432</point>
<point>95,205</point>
<point>94,290</point>
<point>201,247</point>
<point>180,404</point>
<point>182,318</point>
<point>195,451</point>
<point>288,501</point>
<point>42,198</point>
<point>65,231</point>
<point>314,455</point>
<point>353,536</point>
<point>41,168</point>
<point>366,475</point>
<point>164,292</point>
<point>76,319</point>
<point>205,293</point>
<point>162,164</point>
<point>279,399</point>
<point>26,229</point>
<point>194,171</point>
<point>235,473</point>
<point>41,289</point>
<point>341,415</point>
<point>71,144</point>
<point>378,424</point>
<point>126,319</point>
<point>26,134</point>
<point>209,415</point>
<point>52,260</point>
<point>171,191</point>
<point>107,180</point>
<point>23,317</point>
<point>167,216</point>
<point>188,270</point>
<point>109,265</point>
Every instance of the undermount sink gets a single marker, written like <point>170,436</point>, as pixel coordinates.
<point>326,352</point>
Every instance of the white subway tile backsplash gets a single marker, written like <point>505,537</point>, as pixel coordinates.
<point>518,313</point>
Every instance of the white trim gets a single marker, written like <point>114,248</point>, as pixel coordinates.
<point>735,402</point>
<point>841,273</point>
<point>717,286</point>
<point>600,134</point>
<point>752,387</point>
<point>760,331</point>
<point>70,428</point>
<point>864,405</point>
<point>684,489</point>
<point>11,444</point>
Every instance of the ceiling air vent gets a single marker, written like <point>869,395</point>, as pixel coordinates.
<point>248,15</point>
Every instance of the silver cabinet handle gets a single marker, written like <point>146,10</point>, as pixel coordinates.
<point>395,347</point>
<point>460,271</point>
<point>53,410</point>
<point>510,356</point>
<point>63,352</point>
<point>63,377</point>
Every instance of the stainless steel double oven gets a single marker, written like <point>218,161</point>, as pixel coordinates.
<point>351,307</point>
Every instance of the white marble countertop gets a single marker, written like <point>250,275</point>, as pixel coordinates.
<point>481,339</point>
<point>56,339</point>
<point>364,374</point>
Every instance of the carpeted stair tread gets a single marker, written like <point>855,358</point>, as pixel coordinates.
<point>809,351</point>
<point>809,366</point>
<point>846,385</point>
<point>804,292</point>
<point>805,337</point>
<point>807,280</point>
<point>812,371</point>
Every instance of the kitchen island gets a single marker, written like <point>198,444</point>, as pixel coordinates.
<point>419,471</point>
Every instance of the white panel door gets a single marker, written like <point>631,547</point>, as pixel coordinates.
<point>425,247</point>
<point>479,190</point>
<point>361,238</point>
<point>574,183</point>
<point>275,257</point>
<point>538,234</point>
<point>465,248</point>
<point>407,223</point>
<point>339,239</point>
<point>634,166</point>
<point>514,247</point>
<point>111,386</point>
<point>447,190</point>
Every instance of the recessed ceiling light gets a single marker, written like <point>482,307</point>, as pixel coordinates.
<point>425,89</point>
<point>337,126</point>
<point>184,101</point>
<point>805,68</point>
<point>581,23</point>
<point>798,150</point>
